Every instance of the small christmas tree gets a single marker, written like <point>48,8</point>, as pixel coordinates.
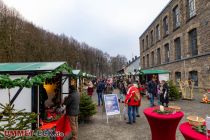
<point>173,91</point>
<point>87,107</point>
<point>15,120</point>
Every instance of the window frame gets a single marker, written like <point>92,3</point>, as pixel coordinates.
<point>148,65</point>
<point>167,54</point>
<point>151,37</point>
<point>158,56</point>
<point>153,58</point>
<point>157,32</point>
<point>193,74</point>
<point>178,53</point>
<point>143,47</point>
<point>193,42</point>
<point>176,17</point>
<point>177,77</point>
<point>165,26</point>
<point>191,8</point>
<point>147,41</point>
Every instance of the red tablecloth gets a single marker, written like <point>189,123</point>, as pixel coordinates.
<point>190,134</point>
<point>61,126</point>
<point>49,125</point>
<point>163,127</point>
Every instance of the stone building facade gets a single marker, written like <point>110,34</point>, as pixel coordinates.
<point>178,40</point>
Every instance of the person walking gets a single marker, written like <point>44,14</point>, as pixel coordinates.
<point>90,89</point>
<point>159,92</point>
<point>164,97</point>
<point>100,90</point>
<point>72,110</point>
<point>138,107</point>
<point>132,103</point>
<point>152,87</point>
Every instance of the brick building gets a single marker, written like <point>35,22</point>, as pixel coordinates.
<point>178,40</point>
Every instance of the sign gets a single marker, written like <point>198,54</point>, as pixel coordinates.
<point>111,104</point>
<point>207,125</point>
<point>164,77</point>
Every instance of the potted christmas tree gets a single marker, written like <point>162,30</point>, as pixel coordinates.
<point>87,108</point>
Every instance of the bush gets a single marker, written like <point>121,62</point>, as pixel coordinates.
<point>173,91</point>
<point>87,107</point>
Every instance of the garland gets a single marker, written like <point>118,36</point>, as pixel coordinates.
<point>7,82</point>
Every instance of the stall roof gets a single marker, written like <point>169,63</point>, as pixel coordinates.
<point>32,66</point>
<point>76,72</point>
<point>155,71</point>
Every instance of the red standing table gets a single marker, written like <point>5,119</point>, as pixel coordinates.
<point>190,134</point>
<point>163,127</point>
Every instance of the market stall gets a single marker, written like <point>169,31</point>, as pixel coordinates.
<point>34,87</point>
<point>146,75</point>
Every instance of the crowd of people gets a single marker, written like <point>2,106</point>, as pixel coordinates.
<point>131,93</point>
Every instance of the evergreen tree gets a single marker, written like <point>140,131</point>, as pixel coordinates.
<point>87,107</point>
<point>173,91</point>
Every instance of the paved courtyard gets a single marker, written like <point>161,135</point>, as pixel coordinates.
<point>117,129</point>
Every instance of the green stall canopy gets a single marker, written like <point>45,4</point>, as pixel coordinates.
<point>155,71</point>
<point>32,66</point>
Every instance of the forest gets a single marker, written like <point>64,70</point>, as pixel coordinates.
<point>22,41</point>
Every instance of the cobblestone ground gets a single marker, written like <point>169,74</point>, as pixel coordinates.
<point>117,129</point>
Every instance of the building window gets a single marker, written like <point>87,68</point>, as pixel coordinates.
<point>177,43</point>
<point>167,52</point>
<point>151,35</point>
<point>177,77</point>
<point>191,8</point>
<point>158,32</point>
<point>158,57</point>
<point>165,26</point>
<point>147,42</point>
<point>176,17</point>
<point>143,45</point>
<point>143,62</point>
<point>153,59</point>
<point>147,60</point>
<point>193,42</point>
<point>193,75</point>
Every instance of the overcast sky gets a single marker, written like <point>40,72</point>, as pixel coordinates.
<point>113,26</point>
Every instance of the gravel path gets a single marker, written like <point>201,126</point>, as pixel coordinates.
<point>116,129</point>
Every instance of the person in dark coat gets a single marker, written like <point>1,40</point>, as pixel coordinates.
<point>100,92</point>
<point>72,102</point>
<point>152,87</point>
<point>164,97</point>
<point>42,98</point>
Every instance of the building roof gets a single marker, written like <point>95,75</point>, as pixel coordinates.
<point>156,18</point>
<point>29,67</point>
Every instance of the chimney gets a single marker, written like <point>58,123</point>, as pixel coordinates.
<point>135,57</point>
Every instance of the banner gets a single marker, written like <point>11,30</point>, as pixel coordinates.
<point>163,77</point>
<point>111,104</point>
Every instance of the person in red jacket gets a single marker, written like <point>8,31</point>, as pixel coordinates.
<point>90,89</point>
<point>132,103</point>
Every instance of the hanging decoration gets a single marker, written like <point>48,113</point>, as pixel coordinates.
<point>7,82</point>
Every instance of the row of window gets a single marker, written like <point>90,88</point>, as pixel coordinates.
<point>193,50</point>
<point>193,75</point>
<point>176,24</point>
